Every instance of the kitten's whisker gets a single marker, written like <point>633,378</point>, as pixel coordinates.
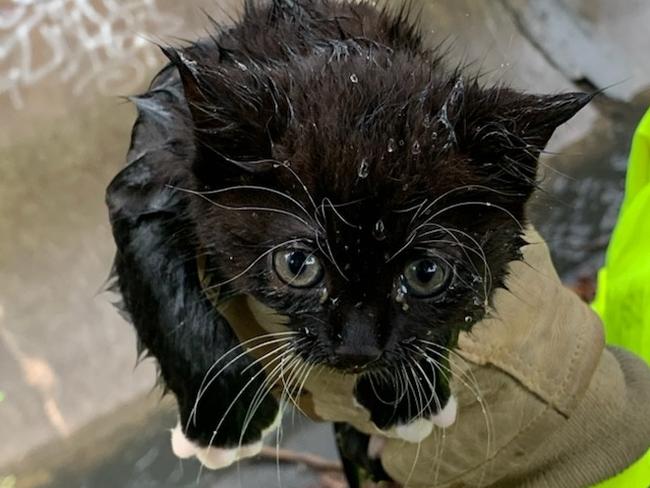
<point>300,382</point>
<point>237,397</point>
<point>254,188</point>
<point>450,371</point>
<point>409,241</point>
<point>479,250</point>
<point>255,261</point>
<point>333,260</point>
<point>254,209</point>
<point>227,353</point>
<point>327,201</point>
<point>466,204</point>
<point>265,389</point>
<point>416,388</point>
<point>475,392</point>
<point>457,189</point>
<point>306,190</point>
<point>432,384</point>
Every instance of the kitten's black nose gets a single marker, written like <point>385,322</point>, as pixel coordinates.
<point>354,357</point>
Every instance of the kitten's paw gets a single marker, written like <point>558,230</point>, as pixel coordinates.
<point>419,429</point>
<point>447,416</point>
<point>214,457</point>
<point>415,431</point>
<point>375,446</point>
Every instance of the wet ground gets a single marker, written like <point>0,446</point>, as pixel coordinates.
<point>73,410</point>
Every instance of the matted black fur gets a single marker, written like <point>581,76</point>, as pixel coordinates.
<point>325,128</point>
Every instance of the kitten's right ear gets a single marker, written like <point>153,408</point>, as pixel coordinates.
<point>236,112</point>
<point>512,131</point>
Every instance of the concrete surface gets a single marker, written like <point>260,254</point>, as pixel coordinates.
<point>65,355</point>
<point>73,410</point>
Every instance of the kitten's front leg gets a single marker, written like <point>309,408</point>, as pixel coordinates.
<point>224,408</point>
<point>407,403</point>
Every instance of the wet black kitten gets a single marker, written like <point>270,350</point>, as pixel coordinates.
<point>324,162</point>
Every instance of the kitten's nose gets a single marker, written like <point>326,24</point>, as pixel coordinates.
<point>351,357</point>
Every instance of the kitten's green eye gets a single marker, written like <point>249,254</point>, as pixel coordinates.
<point>298,268</point>
<point>426,277</point>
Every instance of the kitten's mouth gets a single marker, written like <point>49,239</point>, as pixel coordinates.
<point>354,369</point>
<point>351,367</point>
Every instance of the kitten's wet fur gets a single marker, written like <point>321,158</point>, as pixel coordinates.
<point>326,128</point>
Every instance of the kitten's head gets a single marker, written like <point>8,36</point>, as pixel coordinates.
<point>373,198</point>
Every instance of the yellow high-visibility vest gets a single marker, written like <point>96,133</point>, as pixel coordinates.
<point>623,297</point>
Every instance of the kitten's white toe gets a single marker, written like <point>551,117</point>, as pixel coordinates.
<point>447,416</point>
<point>217,457</point>
<point>375,446</point>
<point>183,448</point>
<point>250,450</point>
<point>416,431</point>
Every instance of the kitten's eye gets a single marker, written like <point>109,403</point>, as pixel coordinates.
<point>425,277</point>
<point>298,268</point>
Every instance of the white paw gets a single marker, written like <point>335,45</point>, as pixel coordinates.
<point>447,416</point>
<point>419,429</point>
<point>217,457</point>
<point>416,431</point>
<point>375,446</point>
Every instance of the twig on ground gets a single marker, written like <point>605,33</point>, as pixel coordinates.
<point>312,461</point>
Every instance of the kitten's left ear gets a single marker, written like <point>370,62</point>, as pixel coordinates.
<point>539,116</point>
<point>509,136</point>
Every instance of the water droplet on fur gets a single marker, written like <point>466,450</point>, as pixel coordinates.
<point>468,319</point>
<point>391,145</point>
<point>324,295</point>
<point>354,78</point>
<point>416,149</point>
<point>401,142</point>
<point>379,232</point>
<point>477,302</point>
<point>434,136</point>
<point>405,307</point>
<point>364,168</point>
<point>400,296</point>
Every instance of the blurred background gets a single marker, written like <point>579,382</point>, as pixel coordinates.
<point>75,411</point>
